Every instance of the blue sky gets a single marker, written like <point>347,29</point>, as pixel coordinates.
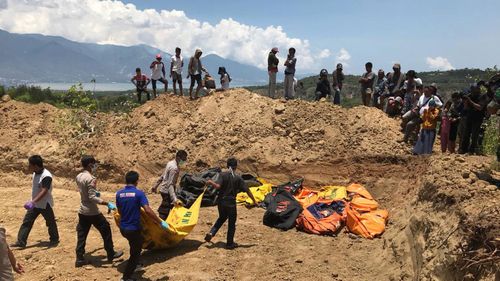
<point>421,35</point>
<point>464,32</point>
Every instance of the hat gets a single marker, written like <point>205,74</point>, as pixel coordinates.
<point>158,56</point>
<point>87,160</point>
<point>381,71</point>
<point>339,65</point>
<point>198,51</point>
<point>275,49</point>
<point>434,85</point>
<point>396,65</point>
<point>399,99</point>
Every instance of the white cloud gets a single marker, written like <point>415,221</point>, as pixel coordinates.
<point>439,63</point>
<point>343,57</point>
<point>325,53</point>
<point>114,22</point>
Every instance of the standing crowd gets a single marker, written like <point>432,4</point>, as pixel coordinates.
<point>422,110</point>
<point>195,70</point>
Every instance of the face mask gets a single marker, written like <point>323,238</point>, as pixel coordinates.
<point>182,162</point>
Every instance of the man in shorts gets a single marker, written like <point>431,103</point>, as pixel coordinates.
<point>176,65</point>
<point>141,82</point>
<point>158,73</point>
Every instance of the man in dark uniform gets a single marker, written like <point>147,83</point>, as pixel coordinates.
<point>229,184</point>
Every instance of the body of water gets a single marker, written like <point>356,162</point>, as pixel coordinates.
<point>113,87</point>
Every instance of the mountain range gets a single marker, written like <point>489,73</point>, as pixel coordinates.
<point>31,58</point>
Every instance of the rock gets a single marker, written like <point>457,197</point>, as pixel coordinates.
<point>465,175</point>
<point>299,261</point>
<point>6,98</point>
<point>491,187</point>
<point>335,275</point>
<point>226,120</point>
<point>321,142</point>
<point>279,109</point>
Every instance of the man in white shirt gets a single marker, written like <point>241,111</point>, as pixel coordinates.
<point>158,73</point>
<point>176,64</point>
<point>41,203</point>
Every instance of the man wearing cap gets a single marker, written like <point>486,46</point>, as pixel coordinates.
<point>194,70</point>
<point>338,81</point>
<point>158,73</point>
<point>395,80</point>
<point>89,214</point>
<point>229,184</point>
<point>272,69</point>
<point>367,81</point>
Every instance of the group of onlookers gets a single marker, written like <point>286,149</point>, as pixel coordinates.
<point>205,84</point>
<point>421,108</point>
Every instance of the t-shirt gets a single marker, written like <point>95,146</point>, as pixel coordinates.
<point>169,180</point>
<point>323,86</point>
<point>474,114</point>
<point>88,194</point>
<point>225,81</point>
<point>141,80</point>
<point>129,201</point>
<point>5,266</point>
<point>338,79</point>
<point>231,184</point>
<point>157,70</point>
<point>272,62</point>
<point>290,68</point>
<point>369,84</point>
<point>177,64</point>
<point>42,180</point>
<point>423,103</point>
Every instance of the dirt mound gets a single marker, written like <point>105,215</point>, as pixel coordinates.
<point>266,135</point>
<point>444,211</point>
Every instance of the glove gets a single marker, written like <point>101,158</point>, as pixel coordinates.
<point>111,206</point>
<point>164,225</point>
<point>29,205</point>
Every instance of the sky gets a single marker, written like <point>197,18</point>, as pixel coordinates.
<point>422,35</point>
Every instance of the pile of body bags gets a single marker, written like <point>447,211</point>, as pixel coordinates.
<point>323,212</point>
<point>289,205</point>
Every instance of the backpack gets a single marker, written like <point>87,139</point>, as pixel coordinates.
<point>282,209</point>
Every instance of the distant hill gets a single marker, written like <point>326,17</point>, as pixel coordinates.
<point>39,58</point>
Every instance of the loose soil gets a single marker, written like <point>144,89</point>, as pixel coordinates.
<point>444,210</point>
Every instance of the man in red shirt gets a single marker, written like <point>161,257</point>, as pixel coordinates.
<point>141,82</point>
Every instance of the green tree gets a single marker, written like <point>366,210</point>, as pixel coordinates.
<point>76,97</point>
